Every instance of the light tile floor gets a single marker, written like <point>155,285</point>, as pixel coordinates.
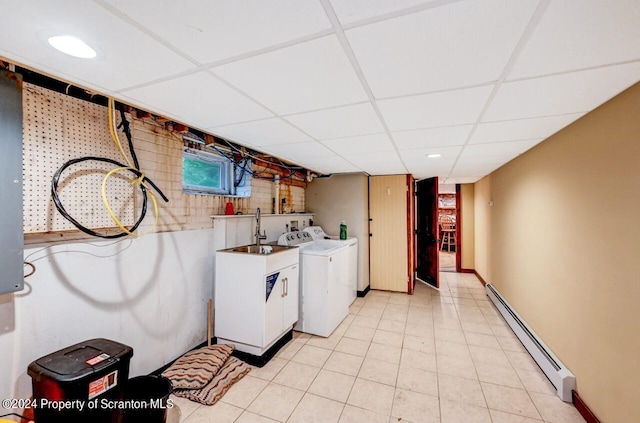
<point>436,356</point>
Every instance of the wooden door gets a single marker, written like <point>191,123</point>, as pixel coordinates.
<point>427,230</point>
<point>388,246</point>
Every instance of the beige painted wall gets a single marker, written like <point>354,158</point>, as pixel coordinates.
<point>344,197</point>
<point>467,226</point>
<point>482,225</point>
<point>562,244</point>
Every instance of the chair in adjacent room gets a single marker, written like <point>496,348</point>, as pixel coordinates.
<point>447,234</point>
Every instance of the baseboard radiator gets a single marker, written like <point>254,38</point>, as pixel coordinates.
<point>561,378</point>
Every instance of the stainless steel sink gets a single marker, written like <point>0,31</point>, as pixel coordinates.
<point>258,249</point>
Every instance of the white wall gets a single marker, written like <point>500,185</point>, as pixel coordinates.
<point>149,293</point>
<point>244,228</point>
<point>446,188</point>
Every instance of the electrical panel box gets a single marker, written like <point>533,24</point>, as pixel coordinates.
<point>11,234</point>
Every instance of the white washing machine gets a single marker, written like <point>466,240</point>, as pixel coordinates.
<point>317,233</point>
<point>323,293</point>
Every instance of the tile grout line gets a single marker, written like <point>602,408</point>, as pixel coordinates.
<point>435,348</point>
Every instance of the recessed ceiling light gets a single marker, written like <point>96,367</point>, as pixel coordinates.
<point>434,155</point>
<point>72,46</point>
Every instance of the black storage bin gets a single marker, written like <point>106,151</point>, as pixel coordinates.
<point>81,383</point>
<point>147,398</point>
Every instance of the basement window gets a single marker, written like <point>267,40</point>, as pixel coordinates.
<point>213,174</point>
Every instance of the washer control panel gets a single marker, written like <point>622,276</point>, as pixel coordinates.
<point>316,232</point>
<point>295,238</point>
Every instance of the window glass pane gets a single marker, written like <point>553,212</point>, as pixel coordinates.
<point>202,173</point>
<point>207,173</point>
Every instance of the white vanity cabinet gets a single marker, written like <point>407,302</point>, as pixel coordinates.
<point>282,305</point>
<point>256,297</point>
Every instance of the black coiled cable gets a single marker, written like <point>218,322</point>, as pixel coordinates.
<point>136,171</point>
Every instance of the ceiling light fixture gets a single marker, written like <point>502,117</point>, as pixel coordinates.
<point>72,46</point>
<point>434,155</point>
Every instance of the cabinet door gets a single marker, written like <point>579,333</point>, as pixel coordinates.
<point>291,303</point>
<point>274,297</point>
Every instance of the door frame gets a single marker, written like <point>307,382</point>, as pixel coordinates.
<point>411,234</point>
<point>458,230</point>
<point>458,215</point>
<point>427,243</point>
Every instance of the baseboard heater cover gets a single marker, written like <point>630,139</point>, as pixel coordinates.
<point>561,378</point>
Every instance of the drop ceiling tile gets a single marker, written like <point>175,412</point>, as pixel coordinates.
<point>457,45</point>
<point>26,26</point>
<point>433,167</point>
<point>304,77</point>
<point>428,170</point>
<point>375,158</point>
<point>262,133</point>
<point>468,160</point>
<point>577,34</point>
<point>499,149</point>
<point>199,99</point>
<point>560,94</point>
<point>385,169</point>
<point>356,10</point>
<point>474,170</point>
<point>378,163</point>
<point>329,165</point>
<point>364,143</point>
<point>479,165</point>
<point>426,173</point>
<point>521,129</point>
<point>454,179</point>
<point>213,30</point>
<point>433,137</point>
<point>448,108</point>
<point>299,152</point>
<point>339,122</point>
<point>419,155</point>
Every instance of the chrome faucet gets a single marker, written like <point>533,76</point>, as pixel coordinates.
<point>258,236</point>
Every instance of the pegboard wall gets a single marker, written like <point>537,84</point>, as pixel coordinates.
<point>58,128</point>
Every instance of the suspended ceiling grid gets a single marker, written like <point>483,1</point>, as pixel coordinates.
<point>348,85</point>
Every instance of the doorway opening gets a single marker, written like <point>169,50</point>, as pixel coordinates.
<point>448,227</point>
<point>426,233</point>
